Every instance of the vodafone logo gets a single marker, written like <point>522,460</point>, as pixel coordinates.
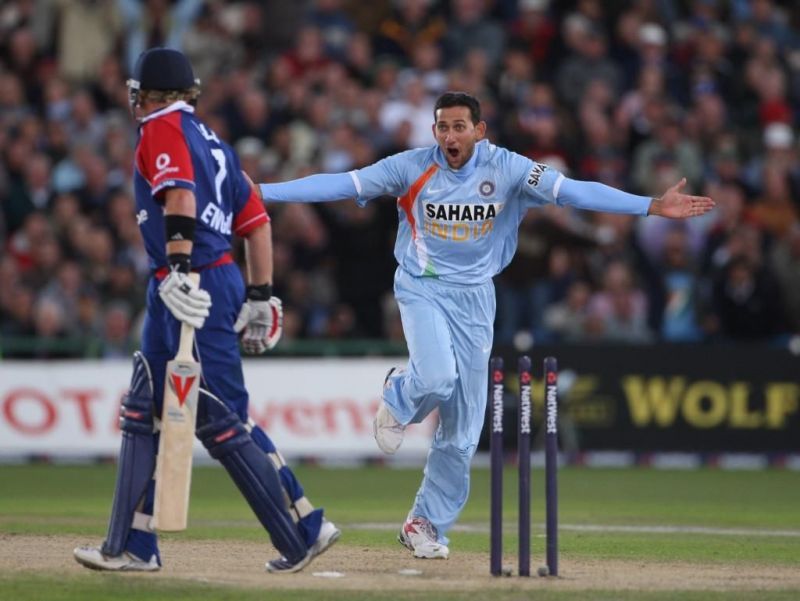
<point>163,168</point>
<point>162,161</point>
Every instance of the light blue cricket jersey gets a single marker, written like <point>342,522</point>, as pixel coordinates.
<point>458,225</point>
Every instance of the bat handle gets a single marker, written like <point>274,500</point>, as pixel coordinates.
<point>186,343</point>
<point>187,332</point>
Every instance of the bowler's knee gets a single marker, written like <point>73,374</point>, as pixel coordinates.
<point>439,385</point>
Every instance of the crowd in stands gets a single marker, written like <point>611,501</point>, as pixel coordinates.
<point>635,94</point>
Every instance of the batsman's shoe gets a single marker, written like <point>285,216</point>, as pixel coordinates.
<point>387,430</point>
<point>419,535</point>
<point>93,558</point>
<point>328,534</point>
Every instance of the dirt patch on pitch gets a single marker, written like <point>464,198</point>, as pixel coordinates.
<point>361,568</point>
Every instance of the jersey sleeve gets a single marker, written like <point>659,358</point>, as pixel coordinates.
<point>163,157</point>
<point>322,187</point>
<point>536,183</point>
<point>389,176</point>
<point>251,215</point>
<point>249,211</point>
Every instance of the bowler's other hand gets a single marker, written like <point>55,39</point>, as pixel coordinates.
<point>677,205</point>
<point>262,323</point>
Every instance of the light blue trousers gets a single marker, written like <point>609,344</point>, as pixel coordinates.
<point>448,329</point>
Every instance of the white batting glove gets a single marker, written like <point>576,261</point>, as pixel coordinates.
<point>262,323</point>
<point>185,299</point>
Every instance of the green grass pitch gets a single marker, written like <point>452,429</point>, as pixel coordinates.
<point>738,520</point>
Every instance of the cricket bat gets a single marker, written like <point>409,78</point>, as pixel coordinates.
<point>178,419</point>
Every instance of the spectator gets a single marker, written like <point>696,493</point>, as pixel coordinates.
<point>589,61</point>
<point>784,261</point>
<point>415,107</point>
<point>426,63</point>
<point>668,149</point>
<point>17,309</point>
<point>778,150</point>
<point>50,330</point>
<point>682,303</point>
<point>534,31</point>
<point>620,307</point>
<point>541,270</point>
<point>86,32</point>
<point>747,302</point>
<point>471,28</point>
<point>334,24</point>
<point>628,96</point>
<point>117,343</point>
<point>210,44</point>
<point>155,23</point>
<point>774,211</point>
<point>413,23</point>
<point>569,320</point>
<point>631,115</point>
<point>307,60</point>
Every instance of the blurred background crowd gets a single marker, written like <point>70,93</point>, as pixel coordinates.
<point>635,94</point>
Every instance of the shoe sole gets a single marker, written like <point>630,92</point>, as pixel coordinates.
<point>420,556</point>
<point>331,541</point>
<point>308,558</point>
<point>103,568</point>
<point>387,450</point>
<point>403,542</point>
<point>384,449</point>
<point>94,566</point>
<point>409,546</point>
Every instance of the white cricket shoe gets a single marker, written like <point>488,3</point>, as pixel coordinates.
<point>94,559</point>
<point>387,430</point>
<point>328,534</point>
<point>419,535</point>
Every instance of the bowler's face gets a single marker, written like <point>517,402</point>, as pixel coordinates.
<point>456,134</point>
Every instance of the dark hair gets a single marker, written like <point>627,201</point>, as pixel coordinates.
<point>449,99</point>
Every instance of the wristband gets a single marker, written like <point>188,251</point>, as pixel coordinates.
<point>259,293</point>
<point>179,227</point>
<point>179,262</point>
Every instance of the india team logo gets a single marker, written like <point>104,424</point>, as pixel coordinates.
<point>486,188</point>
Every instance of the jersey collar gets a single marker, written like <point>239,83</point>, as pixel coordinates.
<point>178,105</point>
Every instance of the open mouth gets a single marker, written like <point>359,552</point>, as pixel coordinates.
<point>453,152</point>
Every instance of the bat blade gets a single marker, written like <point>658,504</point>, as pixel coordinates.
<point>174,462</point>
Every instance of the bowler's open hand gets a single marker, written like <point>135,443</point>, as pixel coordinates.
<point>677,205</point>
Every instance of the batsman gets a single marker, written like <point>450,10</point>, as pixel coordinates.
<point>191,197</point>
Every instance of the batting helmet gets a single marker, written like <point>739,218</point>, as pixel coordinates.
<point>160,69</point>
